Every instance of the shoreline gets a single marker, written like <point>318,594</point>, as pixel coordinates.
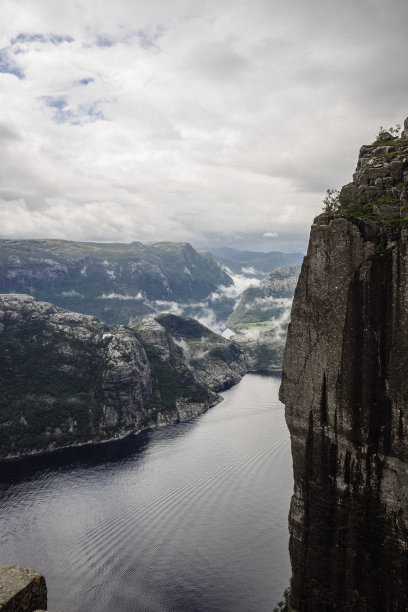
<point>97,443</point>
<point>36,454</point>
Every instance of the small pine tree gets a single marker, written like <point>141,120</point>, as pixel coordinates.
<point>331,202</point>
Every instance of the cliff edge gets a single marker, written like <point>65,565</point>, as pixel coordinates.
<point>345,388</point>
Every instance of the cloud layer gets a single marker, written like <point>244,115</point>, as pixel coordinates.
<point>213,122</point>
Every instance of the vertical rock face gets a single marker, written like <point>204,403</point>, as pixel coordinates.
<point>345,387</point>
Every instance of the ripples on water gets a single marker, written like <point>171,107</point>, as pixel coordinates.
<point>192,517</point>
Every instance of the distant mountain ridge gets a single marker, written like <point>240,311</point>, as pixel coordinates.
<point>262,263</point>
<point>114,282</point>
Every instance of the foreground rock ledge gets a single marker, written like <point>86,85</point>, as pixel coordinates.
<point>21,589</point>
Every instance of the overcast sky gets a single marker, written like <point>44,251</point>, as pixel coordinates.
<point>214,122</point>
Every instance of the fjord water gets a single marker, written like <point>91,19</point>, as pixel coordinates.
<point>192,517</point>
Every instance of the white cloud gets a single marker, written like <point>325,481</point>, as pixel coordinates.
<point>136,120</point>
<point>119,296</point>
<point>72,293</point>
<point>241,282</point>
<point>250,270</point>
<point>164,306</point>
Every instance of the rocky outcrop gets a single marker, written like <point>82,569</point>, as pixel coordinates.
<point>21,589</point>
<point>345,388</point>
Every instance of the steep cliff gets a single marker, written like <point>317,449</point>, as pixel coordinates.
<point>345,387</point>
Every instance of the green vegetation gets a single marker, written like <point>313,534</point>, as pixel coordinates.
<point>331,201</point>
<point>353,203</point>
<point>268,356</point>
<point>253,307</point>
<point>48,395</point>
<point>173,381</point>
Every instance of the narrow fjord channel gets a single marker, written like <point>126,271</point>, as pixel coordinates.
<point>192,517</point>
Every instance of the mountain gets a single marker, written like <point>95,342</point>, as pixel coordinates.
<point>67,379</point>
<point>253,263</point>
<point>118,283</point>
<point>261,317</point>
<point>345,387</point>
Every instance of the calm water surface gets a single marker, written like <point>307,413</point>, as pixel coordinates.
<point>192,517</point>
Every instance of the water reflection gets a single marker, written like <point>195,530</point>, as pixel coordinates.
<point>190,517</point>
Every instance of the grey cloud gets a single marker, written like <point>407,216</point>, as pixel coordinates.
<point>209,122</point>
<point>55,39</point>
<point>8,132</point>
<point>217,61</point>
<point>102,40</point>
<point>148,39</point>
<point>9,195</point>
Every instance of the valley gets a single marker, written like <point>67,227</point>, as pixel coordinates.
<point>94,374</point>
